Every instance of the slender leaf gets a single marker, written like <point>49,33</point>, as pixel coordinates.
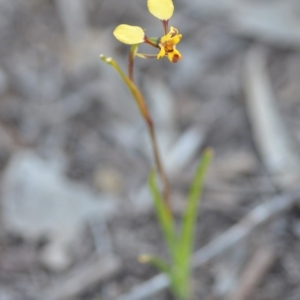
<point>163,214</point>
<point>189,218</point>
<point>186,235</point>
<point>156,262</point>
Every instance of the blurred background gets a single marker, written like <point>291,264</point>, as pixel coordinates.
<point>75,155</point>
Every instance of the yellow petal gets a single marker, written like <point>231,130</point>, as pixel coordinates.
<point>128,34</point>
<point>161,53</point>
<point>161,9</point>
<point>176,39</point>
<point>174,56</point>
<point>165,38</point>
<point>172,36</point>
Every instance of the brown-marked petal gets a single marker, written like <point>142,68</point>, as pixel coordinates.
<point>174,56</point>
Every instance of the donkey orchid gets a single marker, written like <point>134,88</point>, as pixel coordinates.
<point>132,35</point>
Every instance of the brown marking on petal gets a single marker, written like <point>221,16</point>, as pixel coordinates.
<point>176,58</point>
<point>168,47</point>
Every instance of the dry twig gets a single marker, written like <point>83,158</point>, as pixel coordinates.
<point>276,23</point>
<point>85,277</point>
<point>270,134</point>
<point>256,269</point>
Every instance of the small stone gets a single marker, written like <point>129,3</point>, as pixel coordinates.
<point>107,180</point>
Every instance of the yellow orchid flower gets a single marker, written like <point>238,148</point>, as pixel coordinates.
<point>132,35</point>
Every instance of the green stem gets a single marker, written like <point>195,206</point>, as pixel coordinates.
<point>159,165</point>
<point>139,99</point>
<point>151,130</point>
<point>131,56</point>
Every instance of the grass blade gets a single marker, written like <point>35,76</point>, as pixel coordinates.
<point>186,235</point>
<point>156,262</point>
<point>190,214</point>
<point>163,213</point>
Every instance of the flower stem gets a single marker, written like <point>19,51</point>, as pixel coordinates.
<point>166,26</point>
<point>131,56</point>
<point>151,41</point>
<point>139,99</point>
<point>159,165</point>
<point>151,130</point>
